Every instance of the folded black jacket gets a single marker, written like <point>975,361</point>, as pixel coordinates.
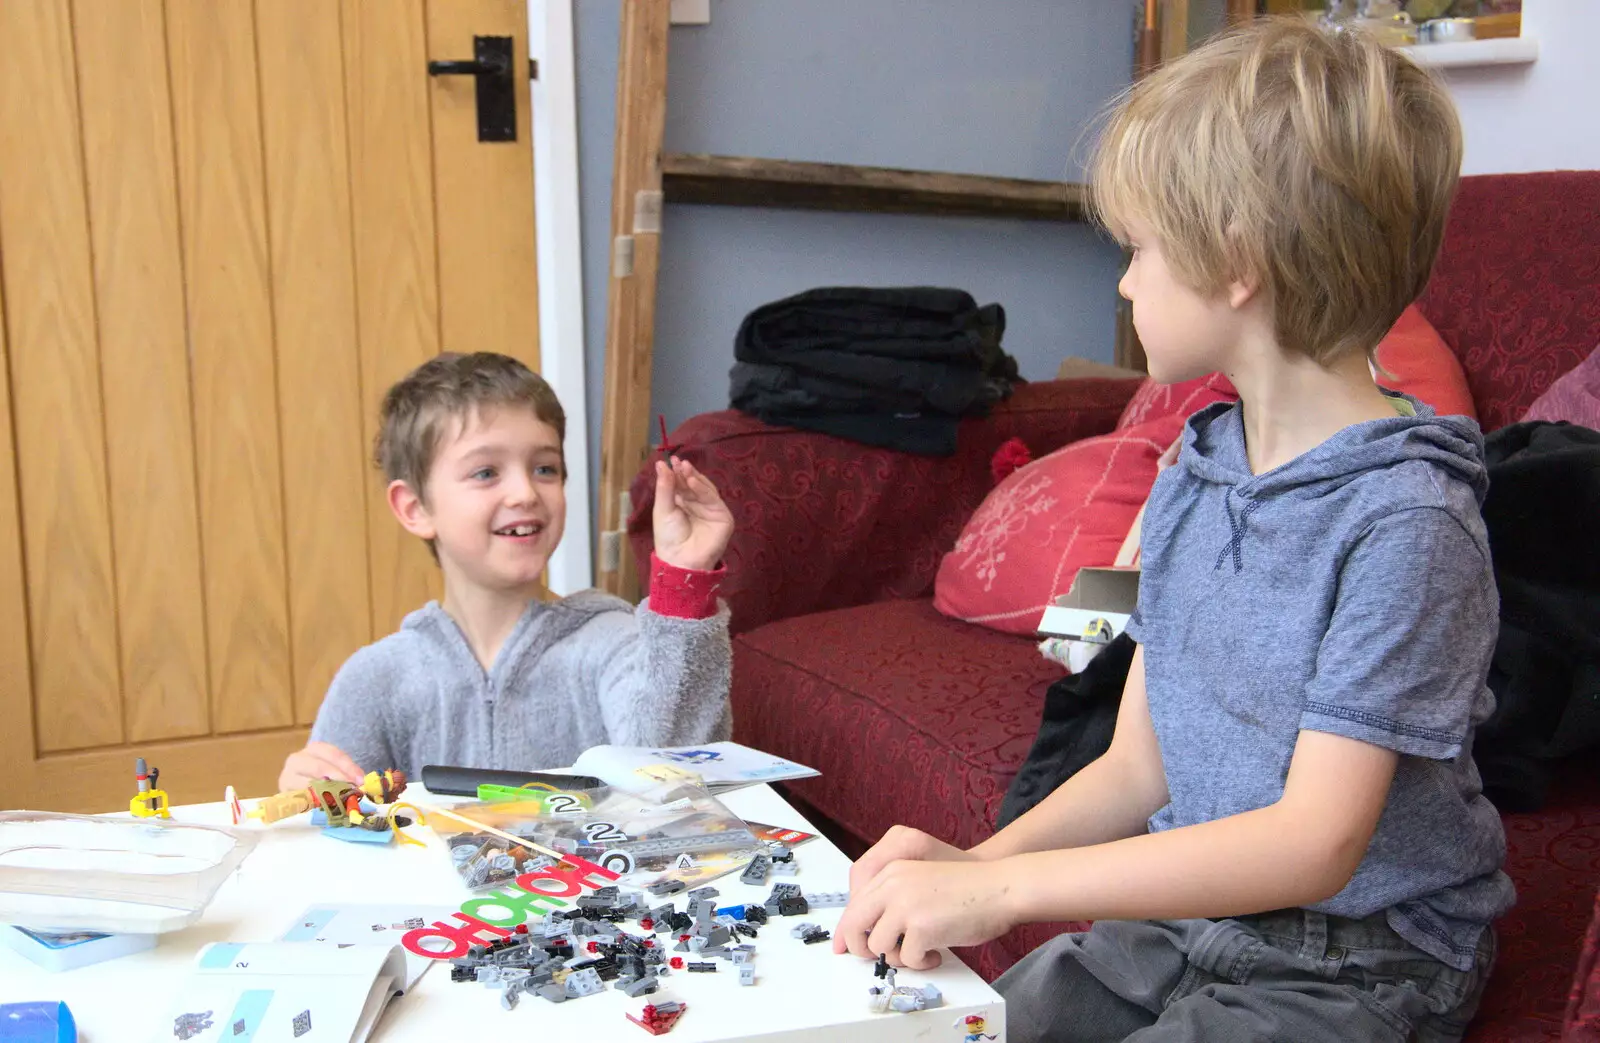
<point>892,366</point>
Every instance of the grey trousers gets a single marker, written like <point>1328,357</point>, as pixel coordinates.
<point>1294,976</point>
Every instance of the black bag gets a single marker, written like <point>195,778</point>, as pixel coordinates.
<point>1080,716</point>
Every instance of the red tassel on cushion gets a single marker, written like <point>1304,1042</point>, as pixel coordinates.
<point>1011,455</point>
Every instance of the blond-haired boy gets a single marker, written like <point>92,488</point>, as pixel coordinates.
<point>494,676</point>
<point>1287,839</point>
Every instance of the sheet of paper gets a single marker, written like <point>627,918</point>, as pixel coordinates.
<point>723,765</point>
<point>283,992</point>
<point>345,925</point>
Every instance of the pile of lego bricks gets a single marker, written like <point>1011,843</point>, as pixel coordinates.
<point>574,952</point>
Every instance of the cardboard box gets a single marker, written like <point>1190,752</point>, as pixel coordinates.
<point>1097,606</point>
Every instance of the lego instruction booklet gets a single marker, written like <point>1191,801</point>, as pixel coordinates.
<point>285,992</point>
<point>722,766</point>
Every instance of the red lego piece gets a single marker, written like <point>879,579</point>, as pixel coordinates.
<point>593,947</point>
<point>658,1022</point>
<point>522,928</point>
<point>647,923</point>
<point>677,963</point>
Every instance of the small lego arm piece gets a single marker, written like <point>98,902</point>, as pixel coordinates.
<point>283,805</point>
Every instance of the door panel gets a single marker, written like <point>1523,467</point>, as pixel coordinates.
<point>225,229</point>
<point>486,238</point>
<point>326,482</point>
<point>138,289</point>
<point>397,278</point>
<point>55,376</point>
<point>222,211</point>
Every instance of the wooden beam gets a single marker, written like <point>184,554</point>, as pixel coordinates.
<point>1148,51</point>
<point>635,254</point>
<point>1174,29</point>
<point>790,184</point>
<point>1241,11</point>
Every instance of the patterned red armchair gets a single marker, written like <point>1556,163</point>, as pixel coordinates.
<point>841,662</point>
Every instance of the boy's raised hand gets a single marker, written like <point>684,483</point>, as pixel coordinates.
<point>319,760</point>
<point>692,524</point>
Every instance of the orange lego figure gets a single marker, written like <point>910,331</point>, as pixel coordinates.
<point>339,800</point>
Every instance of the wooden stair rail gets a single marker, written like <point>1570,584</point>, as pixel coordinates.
<point>792,184</point>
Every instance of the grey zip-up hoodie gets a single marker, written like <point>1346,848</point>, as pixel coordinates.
<point>1348,591</point>
<point>575,673</point>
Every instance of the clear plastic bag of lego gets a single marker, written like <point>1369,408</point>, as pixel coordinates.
<point>667,835</point>
<point>113,875</point>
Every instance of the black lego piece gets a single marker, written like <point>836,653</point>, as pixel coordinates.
<point>464,782</point>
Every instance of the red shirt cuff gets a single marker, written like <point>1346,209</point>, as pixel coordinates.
<point>683,593</point>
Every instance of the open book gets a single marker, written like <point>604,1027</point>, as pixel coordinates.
<point>723,765</point>
<point>285,992</point>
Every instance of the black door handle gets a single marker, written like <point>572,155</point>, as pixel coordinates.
<point>468,68</point>
<point>490,65</point>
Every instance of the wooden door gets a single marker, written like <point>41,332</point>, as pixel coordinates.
<point>225,228</point>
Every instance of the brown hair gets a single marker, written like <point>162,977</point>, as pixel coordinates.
<point>1320,163</point>
<point>447,389</point>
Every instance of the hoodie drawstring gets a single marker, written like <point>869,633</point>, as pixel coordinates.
<point>1238,525</point>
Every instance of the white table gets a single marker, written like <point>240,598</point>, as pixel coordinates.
<point>802,992</point>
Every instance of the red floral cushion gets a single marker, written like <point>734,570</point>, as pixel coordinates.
<point>1574,398</point>
<point>1074,507</point>
<point>1069,509</point>
<point>1155,401</point>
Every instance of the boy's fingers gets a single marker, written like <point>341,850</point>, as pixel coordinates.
<point>854,925</point>
<point>917,954</point>
<point>666,489</point>
<point>885,939</point>
<point>333,762</point>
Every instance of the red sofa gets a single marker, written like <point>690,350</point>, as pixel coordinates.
<point>841,662</point>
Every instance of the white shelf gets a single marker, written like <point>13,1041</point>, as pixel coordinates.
<point>1509,50</point>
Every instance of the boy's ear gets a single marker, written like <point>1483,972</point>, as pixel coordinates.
<point>410,511</point>
<point>1243,290</point>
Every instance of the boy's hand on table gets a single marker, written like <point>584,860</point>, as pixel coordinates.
<point>899,844</point>
<point>912,908</point>
<point>692,525</point>
<point>902,843</point>
<point>319,760</point>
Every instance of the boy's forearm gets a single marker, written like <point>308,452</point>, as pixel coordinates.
<point>1105,801</point>
<point>667,684</point>
<point>1247,863</point>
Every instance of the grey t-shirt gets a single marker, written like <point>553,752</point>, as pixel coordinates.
<point>1349,591</point>
<point>574,673</point>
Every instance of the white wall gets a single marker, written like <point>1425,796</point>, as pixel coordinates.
<point>1542,116</point>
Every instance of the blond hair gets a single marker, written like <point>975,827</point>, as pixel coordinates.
<point>447,389</point>
<point>1321,164</point>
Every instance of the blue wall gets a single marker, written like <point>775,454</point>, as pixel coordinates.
<point>1004,89</point>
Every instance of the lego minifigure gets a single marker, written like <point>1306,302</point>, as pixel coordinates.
<point>149,802</point>
<point>888,996</point>
<point>975,1024</point>
<point>339,800</point>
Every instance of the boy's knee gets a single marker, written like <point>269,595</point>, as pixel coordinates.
<point>1052,997</point>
